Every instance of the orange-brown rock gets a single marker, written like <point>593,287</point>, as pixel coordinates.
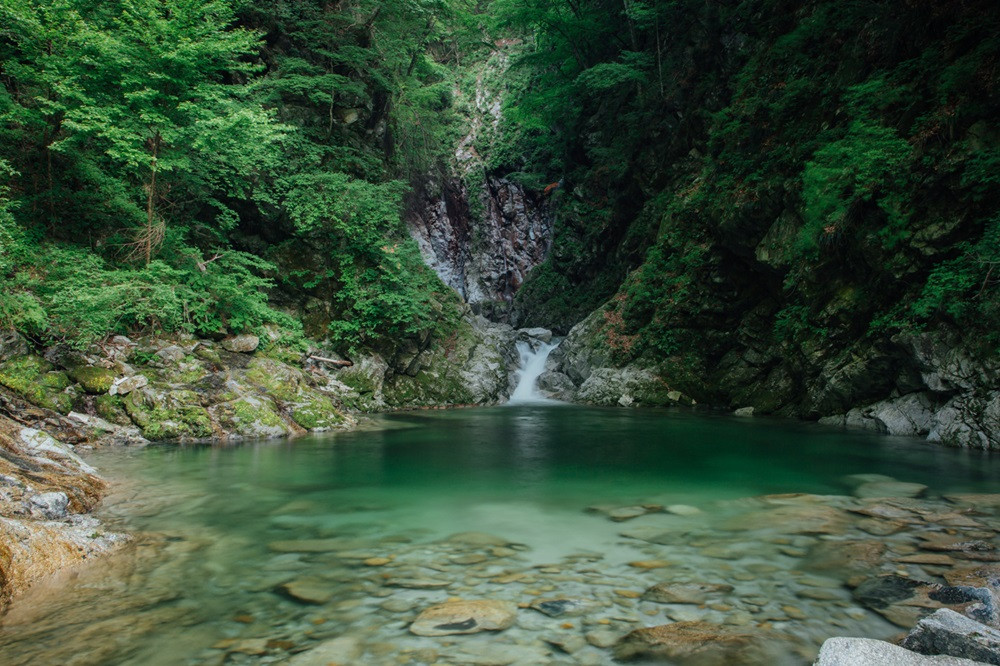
<point>42,481</point>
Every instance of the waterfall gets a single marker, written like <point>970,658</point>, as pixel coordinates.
<point>532,366</point>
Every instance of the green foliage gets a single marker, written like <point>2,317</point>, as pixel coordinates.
<point>382,288</point>
<point>966,289</point>
<point>866,165</point>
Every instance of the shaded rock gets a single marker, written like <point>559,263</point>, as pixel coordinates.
<point>685,593</point>
<point>699,643</point>
<point>602,638</point>
<point>542,334</point>
<point>683,510</point>
<point>804,518</point>
<point>565,606</point>
<point>947,632</point>
<point>626,513</point>
<point>845,556</point>
<point>981,575</point>
<point>477,539</point>
<point>871,652</point>
<point>241,344</point>
<point>465,617</point>
<point>417,583</point>
<point>904,601</point>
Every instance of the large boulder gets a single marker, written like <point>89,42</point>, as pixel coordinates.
<point>871,652</point>
<point>948,632</point>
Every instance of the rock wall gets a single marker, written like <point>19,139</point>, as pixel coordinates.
<point>484,250</point>
<point>481,233</point>
<point>925,384</point>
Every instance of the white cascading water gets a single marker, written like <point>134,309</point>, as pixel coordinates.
<point>532,366</point>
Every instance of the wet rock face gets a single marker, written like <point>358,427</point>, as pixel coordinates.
<point>482,242</point>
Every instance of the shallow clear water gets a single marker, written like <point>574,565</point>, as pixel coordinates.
<point>221,531</point>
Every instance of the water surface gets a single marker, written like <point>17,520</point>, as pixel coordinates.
<point>222,529</point>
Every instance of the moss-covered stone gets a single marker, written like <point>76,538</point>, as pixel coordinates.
<point>111,408</point>
<point>55,380</point>
<point>25,376</point>
<point>318,413</point>
<point>93,379</point>
<point>250,417</point>
<point>173,415</point>
<point>187,422</point>
<point>275,379</point>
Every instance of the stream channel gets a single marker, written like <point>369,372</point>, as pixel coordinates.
<point>256,553</point>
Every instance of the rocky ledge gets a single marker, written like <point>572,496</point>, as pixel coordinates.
<point>46,490</point>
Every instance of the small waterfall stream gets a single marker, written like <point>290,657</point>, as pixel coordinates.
<point>532,366</point>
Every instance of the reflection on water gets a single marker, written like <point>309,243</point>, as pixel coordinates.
<point>250,554</point>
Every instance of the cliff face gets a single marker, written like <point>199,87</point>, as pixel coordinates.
<point>483,250</point>
<point>481,233</point>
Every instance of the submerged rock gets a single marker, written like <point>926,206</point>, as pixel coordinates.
<point>701,643</point>
<point>565,606</point>
<point>465,617</point>
<point>685,593</point>
<point>341,650</point>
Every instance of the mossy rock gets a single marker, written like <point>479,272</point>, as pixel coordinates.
<point>26,376</point>
<point>276,379</point>
<point>173,415</point>
<point>250,417</point>
<point>188,422</point>
<point>111,408</point>
<point>209,354</point>
<point>55,380</point>
<point>317,414</point>
<point>93,379</point>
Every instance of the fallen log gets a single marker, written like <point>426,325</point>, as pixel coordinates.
<point>332,361</point>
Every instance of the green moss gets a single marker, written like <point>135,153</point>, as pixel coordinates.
<point>189,421</point>
<point>276,379</point>
<point>317,413</point>
<point>93,379</point>
<point>246,413</point>
<point>208,354</point>
<point>26,376</point>
<point>55,380</point>
<point>111,408</point>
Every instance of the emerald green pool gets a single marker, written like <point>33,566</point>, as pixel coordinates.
<point>223,530</point>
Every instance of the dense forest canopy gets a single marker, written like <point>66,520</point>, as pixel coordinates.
<point>157,156</point>
<point>830,168</point>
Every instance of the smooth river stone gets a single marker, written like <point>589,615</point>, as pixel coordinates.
<point>871,652</point>
<point>685,593</point>
<point>465,617</point>
<point>889,489</point>
<point>308,591</point>
<point>991,500</point>
<point>565,606</point>
<point>693,642</point>
<point>342,650</point>
<point>306,545</point>
<point>792,519</point>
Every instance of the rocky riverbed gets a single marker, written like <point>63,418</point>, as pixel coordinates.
<point>752,580</point>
